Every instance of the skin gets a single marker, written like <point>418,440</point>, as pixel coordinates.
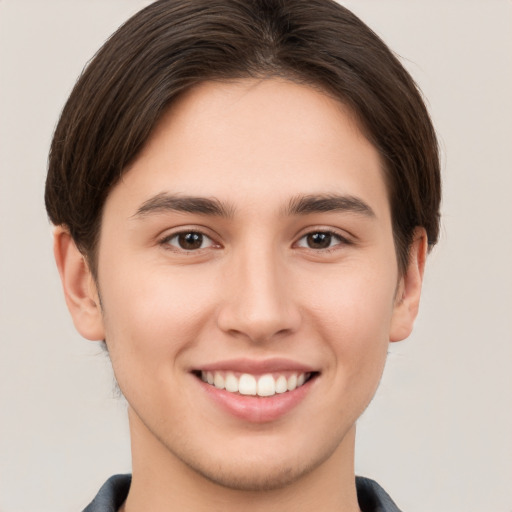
<point>257,288</point>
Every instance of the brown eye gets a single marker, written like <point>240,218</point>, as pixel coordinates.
<point>319,240</point>
<point>189,241</point>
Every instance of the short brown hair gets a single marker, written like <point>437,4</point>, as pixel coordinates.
<point>173,45</point>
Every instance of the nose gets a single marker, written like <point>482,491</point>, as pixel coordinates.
<point>259,303</point>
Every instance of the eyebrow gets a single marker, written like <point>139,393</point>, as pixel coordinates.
<point>304,205</point>
<point>165,202</point>
<point>298,205</point>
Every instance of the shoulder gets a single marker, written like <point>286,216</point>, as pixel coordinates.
<point>111,495</point>
<point>372,497</point>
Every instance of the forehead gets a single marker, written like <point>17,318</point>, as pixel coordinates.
<point>256,141</point>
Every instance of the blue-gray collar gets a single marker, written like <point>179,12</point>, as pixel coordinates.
<point>372,497</point>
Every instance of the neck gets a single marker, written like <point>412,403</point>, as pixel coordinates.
<point>162,482</point>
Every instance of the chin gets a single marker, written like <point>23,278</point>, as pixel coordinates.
<point>255,479</point>
<point>257,472</point>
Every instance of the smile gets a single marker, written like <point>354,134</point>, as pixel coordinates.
<point>257,391</point>
<point>247,384</point>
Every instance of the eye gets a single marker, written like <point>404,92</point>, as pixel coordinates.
<point>189,241</point>
<point>321,240</point>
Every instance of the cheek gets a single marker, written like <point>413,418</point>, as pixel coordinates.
<point>152,316</point>
<point>353,312</point>
<point>355,299</point>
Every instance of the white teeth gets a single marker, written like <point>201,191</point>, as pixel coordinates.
<point>292,382</point>
<point>266,385</point>
<point>247,384</point>
<point>281,384</point>
<point>218,380</point>
<point>231,383</point>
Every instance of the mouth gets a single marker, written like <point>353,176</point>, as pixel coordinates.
<point>256,385</point>
<point>256,391</point>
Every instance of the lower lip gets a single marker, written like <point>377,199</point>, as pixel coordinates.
<point>257,409</point>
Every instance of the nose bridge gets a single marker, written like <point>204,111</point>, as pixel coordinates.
<point>258,301</point>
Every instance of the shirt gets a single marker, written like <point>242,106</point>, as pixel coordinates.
<point>371,496</point>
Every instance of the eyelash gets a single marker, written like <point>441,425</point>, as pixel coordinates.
<point>341,240</point>
<point>166,241</point>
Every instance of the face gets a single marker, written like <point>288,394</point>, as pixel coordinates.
<point>249,284</point>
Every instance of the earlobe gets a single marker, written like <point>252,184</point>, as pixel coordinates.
<point>78,285</point>
<point>409,290</point>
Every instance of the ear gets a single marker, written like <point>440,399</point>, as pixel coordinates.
<point>80,290</point>
<point>408,294</point>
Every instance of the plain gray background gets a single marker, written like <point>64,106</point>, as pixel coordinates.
<point>438,435</point>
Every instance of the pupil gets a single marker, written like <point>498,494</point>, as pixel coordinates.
<point>190,240</point>
<point>319,240</point>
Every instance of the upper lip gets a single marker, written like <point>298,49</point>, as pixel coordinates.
<point>254,366</point>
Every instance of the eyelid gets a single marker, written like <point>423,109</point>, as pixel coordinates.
<point>164,239</point>
<point>344,238</point>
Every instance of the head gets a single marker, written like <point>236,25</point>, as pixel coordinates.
<point>171,46</point>
<point>244,188</point>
